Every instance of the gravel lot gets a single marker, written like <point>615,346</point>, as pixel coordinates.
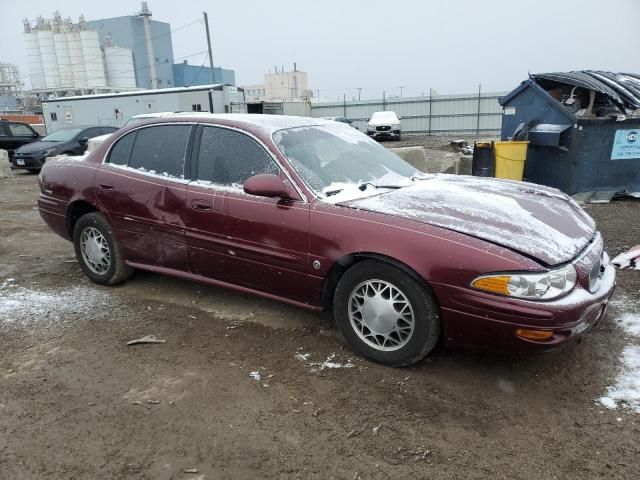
<point>76,402</point>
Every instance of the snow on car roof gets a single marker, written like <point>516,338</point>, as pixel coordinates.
<point>267,123</point>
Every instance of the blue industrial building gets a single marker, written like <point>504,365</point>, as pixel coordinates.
<point>129,32</point>
<point>185,75</point>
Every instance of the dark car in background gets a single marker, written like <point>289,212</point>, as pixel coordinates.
<point>66,141</point>
<point>319,215</point>
<point>14,135</point>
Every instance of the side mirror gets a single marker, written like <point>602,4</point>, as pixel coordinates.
<point>83,141</point>
<point>266,185</point>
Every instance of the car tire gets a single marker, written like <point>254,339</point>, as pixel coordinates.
<point>387,315</point>
<point>97,251</point>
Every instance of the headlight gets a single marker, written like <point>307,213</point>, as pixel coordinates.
<point>370,127</point>
<point>48,153</point>
<point>529,286</point>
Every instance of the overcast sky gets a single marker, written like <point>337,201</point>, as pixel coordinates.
<point>448,45</point>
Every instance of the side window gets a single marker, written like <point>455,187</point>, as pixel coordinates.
<point>20,130</point>
<point>161,149</point>
<point>120,152</point>
<point>3,132</point>
<point>227,157</point>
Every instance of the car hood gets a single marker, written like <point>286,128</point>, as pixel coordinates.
<point>35,147</point>
<point>540,222</point>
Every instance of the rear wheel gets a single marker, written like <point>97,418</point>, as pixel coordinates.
<point>97,251</point>
<point>385,314</point>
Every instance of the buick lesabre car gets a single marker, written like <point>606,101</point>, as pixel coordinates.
<point>318,215</point>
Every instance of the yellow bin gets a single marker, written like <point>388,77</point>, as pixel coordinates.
<point>510,158</point>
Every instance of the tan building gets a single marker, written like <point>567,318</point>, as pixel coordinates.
<point>280,86</point>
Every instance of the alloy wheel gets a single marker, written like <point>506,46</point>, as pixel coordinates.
<point>95,250</point>
<point>381,315</point>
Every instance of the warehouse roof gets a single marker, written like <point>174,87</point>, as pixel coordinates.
<point>158,91</point>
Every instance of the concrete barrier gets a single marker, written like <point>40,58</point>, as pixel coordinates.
<point>5,166</point>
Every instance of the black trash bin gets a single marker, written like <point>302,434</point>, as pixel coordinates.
<point>483,163</point>
<point>583,130</point>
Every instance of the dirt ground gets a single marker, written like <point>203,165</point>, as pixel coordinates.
<point>77,403</point>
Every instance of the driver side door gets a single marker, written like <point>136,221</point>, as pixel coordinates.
<point>253,242</point>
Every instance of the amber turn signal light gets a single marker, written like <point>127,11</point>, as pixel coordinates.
<point>534,334</point>
<point>496,284</point>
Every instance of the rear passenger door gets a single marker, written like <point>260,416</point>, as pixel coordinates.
<point>142,187</point>
<point>254,242</point>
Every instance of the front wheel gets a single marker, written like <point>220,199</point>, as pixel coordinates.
<point>385,314</point>
<point>97,251</point>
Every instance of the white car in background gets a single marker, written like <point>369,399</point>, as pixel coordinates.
<point>384,125</point>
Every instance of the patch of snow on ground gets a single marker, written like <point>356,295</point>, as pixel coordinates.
<point>626,391</point>
<point>255,375</point>
<point>28,308</point>
<point>630,323</point>
<point>329,363</point>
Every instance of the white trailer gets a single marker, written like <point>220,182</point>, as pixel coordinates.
<point>114,109</point>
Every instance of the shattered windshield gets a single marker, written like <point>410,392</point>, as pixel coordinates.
<point>340,163</point>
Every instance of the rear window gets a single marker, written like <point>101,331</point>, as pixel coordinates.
<point>120,152</point>
<point>161,150</point>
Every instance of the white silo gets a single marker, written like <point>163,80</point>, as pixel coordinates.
<point>33,57</point>
<point>120,71</point>
<point>50,71</point>
<point>92,55</point>
<point>77,59</point>
<point>64,60</point>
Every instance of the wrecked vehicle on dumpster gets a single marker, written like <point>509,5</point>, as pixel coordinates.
<point>318,215</point>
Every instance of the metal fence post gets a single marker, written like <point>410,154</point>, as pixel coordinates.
<point>430,93</point>
<point>478,120</point>
<point>384,101</point>
<point>344,105</point>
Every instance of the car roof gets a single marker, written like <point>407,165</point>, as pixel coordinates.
<point>268,124</point>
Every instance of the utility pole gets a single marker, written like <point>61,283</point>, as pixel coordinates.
<point>359,91</point>
<point>206,26</point>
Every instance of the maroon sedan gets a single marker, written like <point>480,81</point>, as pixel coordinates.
<point>314,213</point>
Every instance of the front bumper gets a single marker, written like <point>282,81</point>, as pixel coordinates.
<point>25,161</point>
<point>390,133</point>
<point>473,319</point>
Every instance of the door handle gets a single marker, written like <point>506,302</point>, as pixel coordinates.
<point>105,186</point>
<point>201,205</point>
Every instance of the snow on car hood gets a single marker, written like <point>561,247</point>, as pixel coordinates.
<point>540,222</point>
<point>388,119</point>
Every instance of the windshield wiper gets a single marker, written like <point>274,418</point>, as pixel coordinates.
<point>363,186</point>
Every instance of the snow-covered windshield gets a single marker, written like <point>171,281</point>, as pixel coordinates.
<point>340,163</point>
<point>63,135</point>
